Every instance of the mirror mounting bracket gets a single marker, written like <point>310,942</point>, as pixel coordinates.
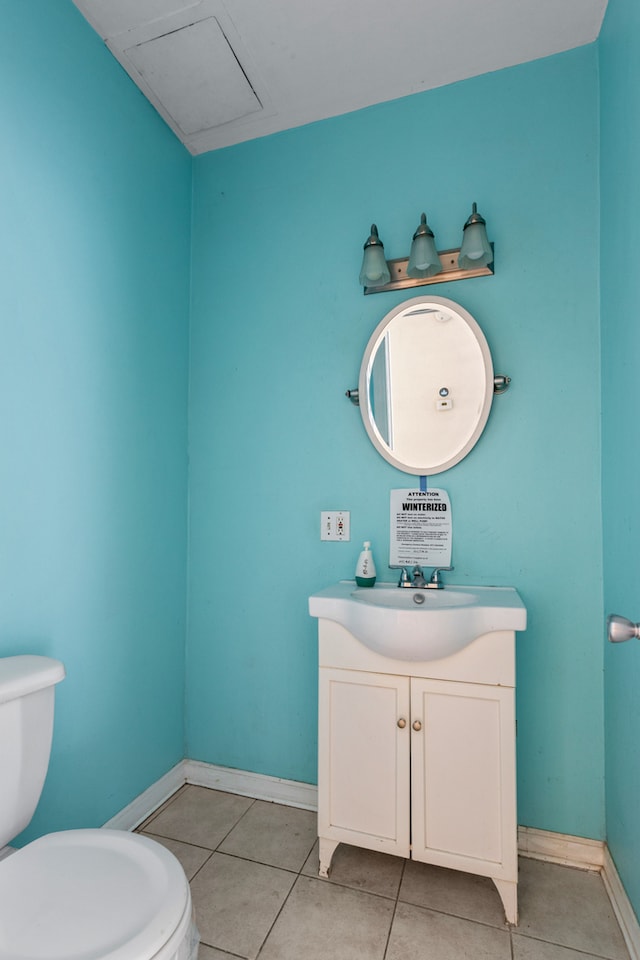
<point>501,384</point>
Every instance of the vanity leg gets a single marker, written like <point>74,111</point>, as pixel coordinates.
<point>508,891</point>
<point>326,849</point>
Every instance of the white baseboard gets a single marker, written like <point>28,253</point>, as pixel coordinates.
<point>290,792</point>
<point>255,785</point>
<point>561,848</point>
<point>144,805</point>
<point>538,844</point>
<point>621,906</point>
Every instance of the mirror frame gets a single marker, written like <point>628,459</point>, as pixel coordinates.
<point>365,380</point>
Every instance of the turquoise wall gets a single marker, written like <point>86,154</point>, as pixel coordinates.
<point>95,239</point>
<point>278,328</point>
<point>94,246</point>
<point>620,158</point>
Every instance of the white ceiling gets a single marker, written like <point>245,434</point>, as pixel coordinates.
<point>223,72</point>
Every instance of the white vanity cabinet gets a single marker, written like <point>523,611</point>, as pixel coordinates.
<point>364,763</point>
<point>417,759</point>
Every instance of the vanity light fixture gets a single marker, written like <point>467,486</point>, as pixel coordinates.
<point>374,268</point>
<point>423,259</point>
<point>476,250</point>
<point>425,264</point>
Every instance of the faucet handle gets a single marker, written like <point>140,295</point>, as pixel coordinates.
<point>405,579</point>
<point>435,575</point>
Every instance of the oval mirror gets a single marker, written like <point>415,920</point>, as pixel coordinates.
<point>426,385</point>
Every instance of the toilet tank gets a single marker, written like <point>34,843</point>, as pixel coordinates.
<point>26,727</point>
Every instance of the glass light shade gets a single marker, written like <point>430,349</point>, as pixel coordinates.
<point>423,259</point>
<point>475,250</point>
<point>374,270</point>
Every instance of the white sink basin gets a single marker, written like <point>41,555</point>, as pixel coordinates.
<point>388,595</point>
<point>413,624</point>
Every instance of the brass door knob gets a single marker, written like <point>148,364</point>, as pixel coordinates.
<point>402,723</point>
<point>417,725</point>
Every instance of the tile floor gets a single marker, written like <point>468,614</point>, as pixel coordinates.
<point>253,872</point>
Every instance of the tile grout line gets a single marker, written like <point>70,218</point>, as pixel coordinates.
<point>239,820</point>
<point>456,916</point>
<point>395,910</point>
<point>211,853</point>
<point>216,849</point>
<point>563,946</point>
<point>187,843</point>
<point>286,899</point>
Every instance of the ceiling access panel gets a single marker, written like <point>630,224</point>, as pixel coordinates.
<point>195,77</point>
<point>188,60</point>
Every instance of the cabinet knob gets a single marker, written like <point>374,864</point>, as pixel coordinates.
<point>417,725</point>
<point>402,723</point>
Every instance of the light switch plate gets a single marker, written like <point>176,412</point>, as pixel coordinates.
<point>335,525</point>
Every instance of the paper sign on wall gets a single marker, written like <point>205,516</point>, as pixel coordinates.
<point>420,528</point>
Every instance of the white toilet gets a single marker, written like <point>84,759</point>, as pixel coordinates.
<point>79,894</point>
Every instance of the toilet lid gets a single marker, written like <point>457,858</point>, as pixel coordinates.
<point>89,894</point>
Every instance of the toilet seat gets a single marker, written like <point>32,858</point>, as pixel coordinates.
<point>92,895</point>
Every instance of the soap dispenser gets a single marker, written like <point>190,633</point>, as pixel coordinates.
<point>365,567</point>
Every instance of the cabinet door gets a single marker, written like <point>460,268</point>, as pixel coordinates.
<point>463,787</point>
<point>363,760</point>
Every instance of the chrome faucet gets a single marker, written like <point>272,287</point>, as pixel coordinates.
<point>416,579</point>
<point>412,579</point>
